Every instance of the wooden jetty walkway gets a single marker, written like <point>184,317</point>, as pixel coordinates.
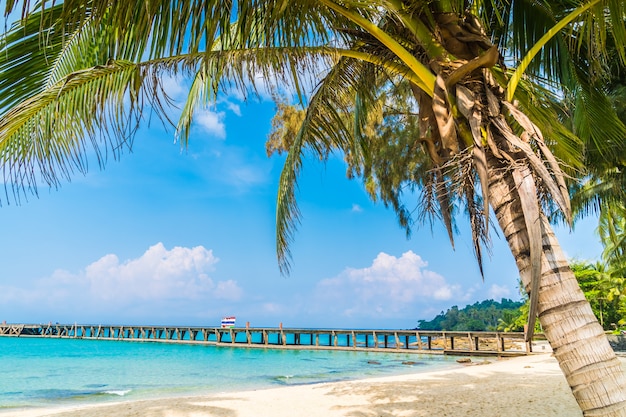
<point>405,341</point>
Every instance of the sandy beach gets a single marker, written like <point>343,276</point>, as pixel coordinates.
<point>516,387</point>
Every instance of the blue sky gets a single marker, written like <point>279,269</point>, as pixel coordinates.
<point>165,236</point>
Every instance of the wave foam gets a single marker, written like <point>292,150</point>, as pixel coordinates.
<point>121,392</point>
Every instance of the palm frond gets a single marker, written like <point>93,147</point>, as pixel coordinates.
<point>107,100</point>
<point>25,55</point>
<point>596,122</point>
<point>98,66</point>
<point>194,26</point>
<point>287,211</point>
<point>531,211</point>
<point>550,34</point>
<point>324,128</point>
<point>612,231</point>
<point>553,118</point>
<point>84,47</point>
<point>526,24</point>
<point>46,134</point>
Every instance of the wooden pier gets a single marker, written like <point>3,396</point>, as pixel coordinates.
<point>405,341</point>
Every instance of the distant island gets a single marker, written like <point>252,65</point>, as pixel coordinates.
<point>488,315</point>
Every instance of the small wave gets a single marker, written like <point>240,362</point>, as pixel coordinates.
<point>95,385</point>
<point>76,395</point>
<point>120,392</point>
<point>305,379</point>
<point>284,379</point>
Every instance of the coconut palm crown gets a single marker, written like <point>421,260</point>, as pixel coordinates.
<point>461,101</point>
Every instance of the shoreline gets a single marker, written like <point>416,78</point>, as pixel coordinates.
<point>522,386</point>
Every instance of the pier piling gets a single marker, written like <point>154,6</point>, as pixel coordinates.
<point>405,341</point>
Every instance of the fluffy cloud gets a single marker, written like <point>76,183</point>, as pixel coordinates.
<point>235,108</point>
<point>390,286</point>
<point>160,279</point>
<point>498,292</point>
<point>212,122</point>
<point>175,88</point>
<point>158,274</point>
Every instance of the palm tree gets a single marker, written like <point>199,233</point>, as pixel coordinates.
<point>604,288</point>
<point>83,71</point>
<point>471,142</point>
<point>603,192</point>
<point>612,230</point>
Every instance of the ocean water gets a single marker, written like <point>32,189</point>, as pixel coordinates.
<point>44,372</point>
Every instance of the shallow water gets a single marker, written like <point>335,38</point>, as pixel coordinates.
<point>51,372</point>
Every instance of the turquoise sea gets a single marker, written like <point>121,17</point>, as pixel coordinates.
<point>44,372</point>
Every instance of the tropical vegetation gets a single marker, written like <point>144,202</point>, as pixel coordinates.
<point>603,191</point>
<point>481,316</point>
<point>443,108</point>
<point>604,287</point>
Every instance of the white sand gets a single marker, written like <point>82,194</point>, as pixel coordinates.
<point>517,387</point>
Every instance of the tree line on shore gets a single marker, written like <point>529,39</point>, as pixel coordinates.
<point>481,316</point>
<point>604,285</point>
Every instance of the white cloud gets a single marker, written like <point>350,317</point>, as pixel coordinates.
<point>272,308</point>
<point>389,287</point>
<point>443,293</point>
<point>158,274</point>
<point>212,122</point>
<point>259,86</point>
<point>245,176</point>
<point>160,279</point>
<point>235,108</point>
<point>265,85</point>
<point>356,208</point>
<point>228,290</point>
<point>498,292</point>
<point>175,88</point>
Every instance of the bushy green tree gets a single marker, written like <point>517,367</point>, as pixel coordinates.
<point>480,316</point>
<point>605,288</point>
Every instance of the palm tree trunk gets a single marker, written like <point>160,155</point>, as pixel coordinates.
<point>580,346</point>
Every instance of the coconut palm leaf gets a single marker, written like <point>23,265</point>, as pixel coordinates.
<point>104,103</point>
<point>324,128</point>
<point>24,62</point>
<point>612,231</point>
